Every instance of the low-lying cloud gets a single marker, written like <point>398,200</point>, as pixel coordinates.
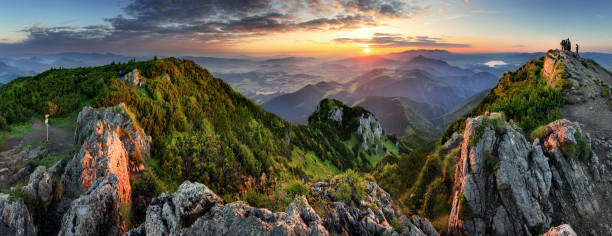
<point>383,40</point>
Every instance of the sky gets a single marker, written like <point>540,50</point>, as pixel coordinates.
<point>300,27</point>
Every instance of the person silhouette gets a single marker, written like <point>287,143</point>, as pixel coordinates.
<point>577,49</point>
<point>564,45</point>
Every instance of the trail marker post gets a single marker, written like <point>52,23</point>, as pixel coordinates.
<point>47,124</point>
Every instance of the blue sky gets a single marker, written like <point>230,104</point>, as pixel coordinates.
<point>301,27</point>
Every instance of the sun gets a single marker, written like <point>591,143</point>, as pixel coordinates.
<point>367,50</point>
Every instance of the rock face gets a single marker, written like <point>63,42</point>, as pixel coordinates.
<point>507,186</point>
<point>561,230</point>
<point>195,210</point>
<point>365,220</point>
<point>112,143</point>
<point>113,148</point>
<point>40,187</point>
<point>15,218</point>
<point>95,212</point>
<point>350,120</point>
<point>370,130</point>
<point>133,78</point>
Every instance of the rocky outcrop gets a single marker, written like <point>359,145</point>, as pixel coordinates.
<point>561,230</point>
<point>95,212</point>
<point>350,121</point>
<point>14,157</point>
<point>370,131</point>
<point>40,187</point>
<point>195,210</point>
<point>133,78</point>
<point>15,218</point>
<point>167,77</point>
<point>113,148</point>
<point>507,186</point>
<point>112,143</point>
<point>454,141</point>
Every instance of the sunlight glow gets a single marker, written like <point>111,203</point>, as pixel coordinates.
<point>367,50</point>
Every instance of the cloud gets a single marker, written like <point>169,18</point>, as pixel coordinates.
<point>148,22</point>
<point>383,40</point>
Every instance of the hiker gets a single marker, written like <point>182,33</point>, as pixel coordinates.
<point>563,45</point>
<point>569,45</point>
<point>577,49</point>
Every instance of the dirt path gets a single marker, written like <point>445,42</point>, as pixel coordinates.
<point>595,114</point>
<point>61,139</point>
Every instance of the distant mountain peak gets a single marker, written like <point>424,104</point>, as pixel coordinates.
<point>423,59</point>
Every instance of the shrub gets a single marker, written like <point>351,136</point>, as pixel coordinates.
<point>296,187</point>
<point>492,163</point>
<point>466,211</point>
<point>578,149</point>
<point>539,132</point>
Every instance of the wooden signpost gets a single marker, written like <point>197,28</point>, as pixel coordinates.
<point>47,124</point>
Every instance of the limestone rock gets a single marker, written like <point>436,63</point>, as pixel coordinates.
<point>112,143</point>
<point>196,210</point>
<point>15,218</point>
<point>454,141</point>
<point>561,230</point>
<point>370,131</point>
<point>18,155</point>
<point>40,187</point>
<point>507,186</point>
<point>133,78</point>
<point>95,212</point>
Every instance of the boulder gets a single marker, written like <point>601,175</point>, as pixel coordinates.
<point>40,186</point>
<point>15,218</point>
<point>95,212</point>
<point>507,186</point>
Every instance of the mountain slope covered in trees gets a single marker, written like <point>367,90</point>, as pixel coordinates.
<point>201,129</point>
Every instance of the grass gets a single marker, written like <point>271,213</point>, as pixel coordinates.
<point>539,132</point>
<point>20,129</point>
<point>66,121</point>
<point>492,163</point>
<point>3,137</point>
<point>578,149</point>
<point>313,167</point>
<point>498,123</point>
<point>49,160</point>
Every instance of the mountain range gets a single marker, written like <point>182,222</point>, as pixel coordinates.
<point>419,86</point>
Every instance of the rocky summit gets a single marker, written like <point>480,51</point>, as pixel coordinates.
<point>506,185</point>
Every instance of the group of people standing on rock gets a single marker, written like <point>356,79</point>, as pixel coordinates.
<point>566,45</point>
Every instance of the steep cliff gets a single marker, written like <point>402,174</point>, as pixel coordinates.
<point>113,148</point>
<point>506,185</point>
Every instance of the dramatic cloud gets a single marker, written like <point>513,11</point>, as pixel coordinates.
<point>382,40</point>
<point>218,21</point>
